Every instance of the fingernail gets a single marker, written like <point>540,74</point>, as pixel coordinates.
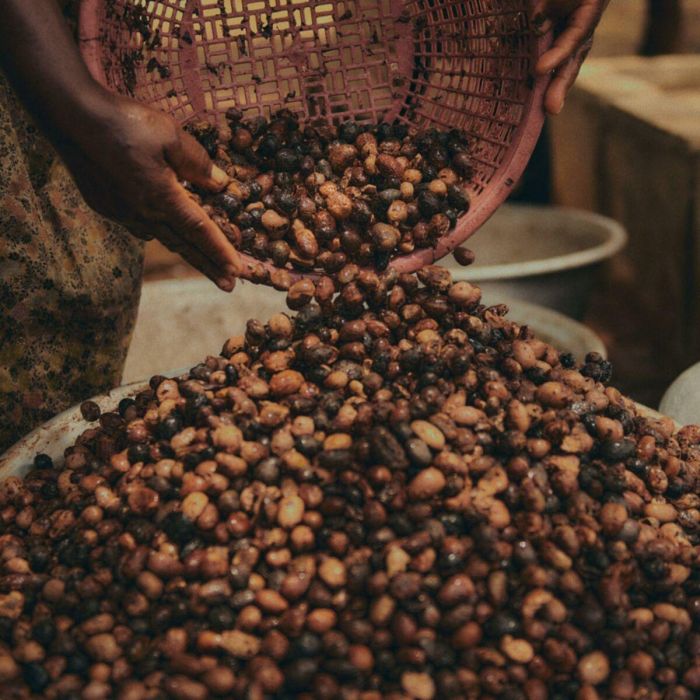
<point>225,284</point>
<point>220,178</point>
<point>234,270</point>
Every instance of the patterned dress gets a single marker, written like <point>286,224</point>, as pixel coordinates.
<point>70,283</point>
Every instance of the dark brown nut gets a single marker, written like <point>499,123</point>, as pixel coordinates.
<point>279,253</point>
<point>464,256</point>
<point>275,224</point>
<point>306,208</point>
<point>439,226</point>
<point>241,139</point>
<point>458,197</point>
<point>325,289</point>
<point>462,163</point>
<point>324,225</point>
<point>389,166</point>
<point>386,237</point>
<point>300,294</point>
<point>90,411</point>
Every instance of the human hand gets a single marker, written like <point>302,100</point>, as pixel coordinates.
<point>575,21</point>
<point>128,159</point>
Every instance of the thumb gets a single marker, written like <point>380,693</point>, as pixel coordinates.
<point>187,157</point>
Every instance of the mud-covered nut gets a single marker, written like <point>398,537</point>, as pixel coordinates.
<point>397,212</point>
<point>306,243</point>
<point>389,166</point>
<point>279,252</point>
<point>274,223</point>
<point>287,382</point>
<point>300,294</point>
<point>464,294</point>
<point>366,142</point>
<point>448,176</point>
<point>427,484</point>
<point>385,236</point>
<point>339,205</point>
<point>438,187</point>
<point>341,156</point>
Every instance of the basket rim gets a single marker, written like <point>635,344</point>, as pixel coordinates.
<point>499,188</point>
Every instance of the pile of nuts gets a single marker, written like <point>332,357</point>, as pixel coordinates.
<point>315,198</point>
<point>395,494</point>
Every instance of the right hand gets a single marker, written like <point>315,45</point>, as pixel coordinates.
<point>575,22</point>
<point>128,161</point>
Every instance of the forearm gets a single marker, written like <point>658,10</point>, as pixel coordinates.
<point>42,62</point>
<point>125,157</point>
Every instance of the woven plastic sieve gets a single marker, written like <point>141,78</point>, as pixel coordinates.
<point>465,64</point>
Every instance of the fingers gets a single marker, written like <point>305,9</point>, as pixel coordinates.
<point>563,80</point>
<point>186,251</point>
<point>191,162</point>
<point>581,24</point>
<point>546,12</point>
<point>190,223</point>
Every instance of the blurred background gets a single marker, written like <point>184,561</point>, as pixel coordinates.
<point>627,146</point>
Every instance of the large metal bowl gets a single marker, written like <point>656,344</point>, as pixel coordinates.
<point>545,255</point>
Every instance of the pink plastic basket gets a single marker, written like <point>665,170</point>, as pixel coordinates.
<point>464,64</point>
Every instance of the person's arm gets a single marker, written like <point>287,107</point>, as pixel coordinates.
<point>126,158</point>
<point>576,21</point>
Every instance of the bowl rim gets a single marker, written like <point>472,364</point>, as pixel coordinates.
<point>615,242</point>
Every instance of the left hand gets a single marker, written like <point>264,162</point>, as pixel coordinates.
<point>578,20</point>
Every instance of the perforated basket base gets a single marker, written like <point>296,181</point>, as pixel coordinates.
<point>464,64</point>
